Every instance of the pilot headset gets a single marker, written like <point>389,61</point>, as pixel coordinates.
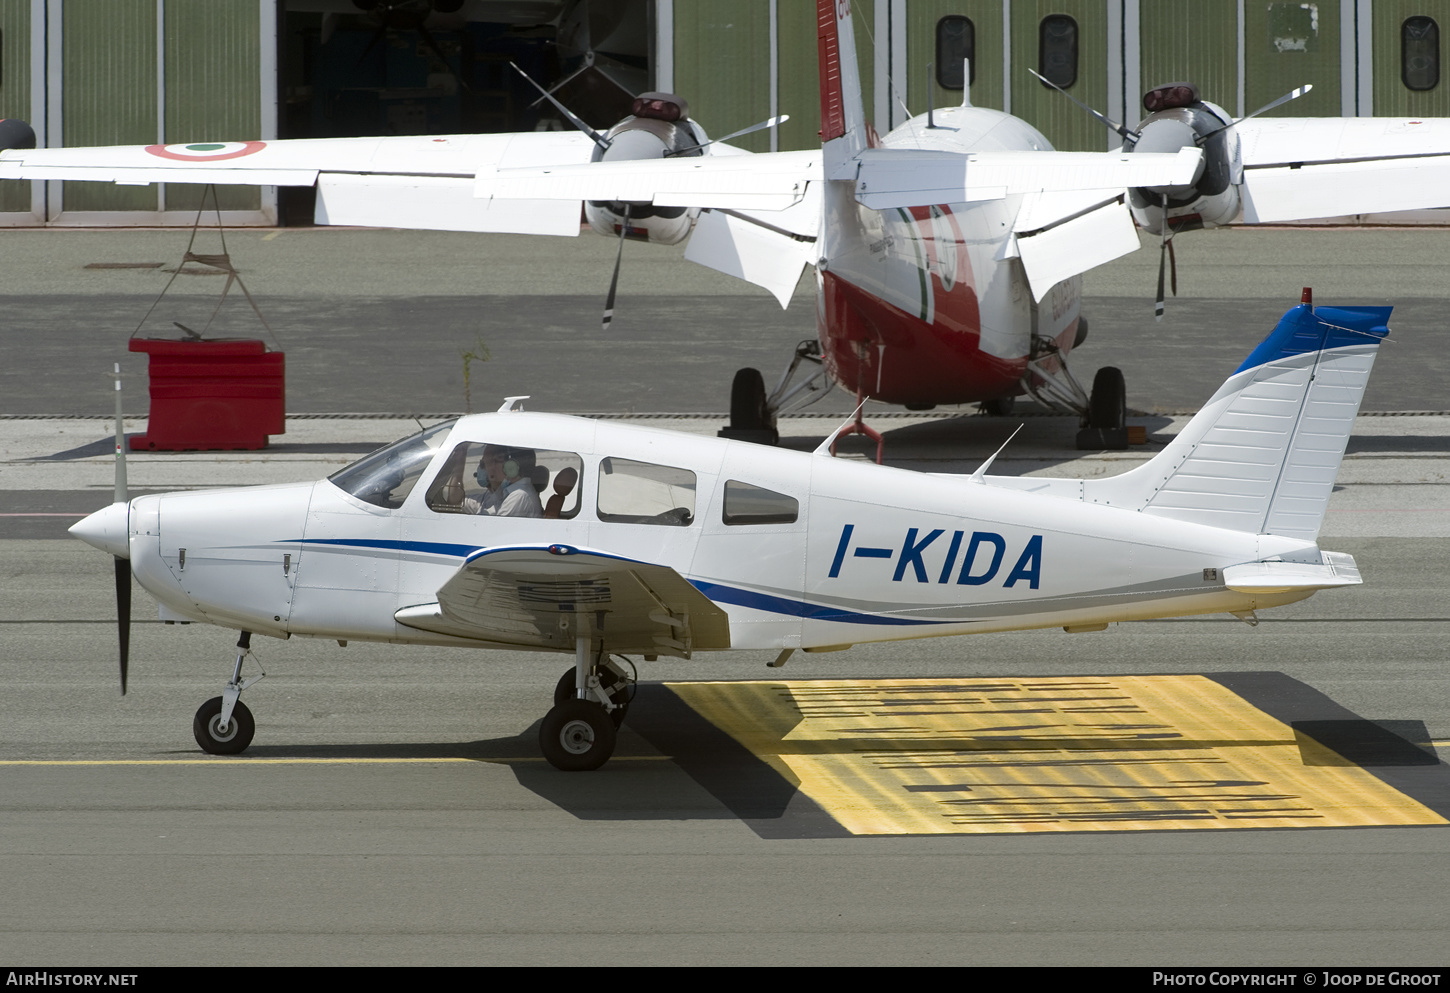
<point>510,470</point>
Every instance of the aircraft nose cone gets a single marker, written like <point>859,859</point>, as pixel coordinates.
<point>107,529</point>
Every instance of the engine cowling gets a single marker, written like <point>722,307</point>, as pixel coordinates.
<point>659,125</point>
<point>1179,118</point>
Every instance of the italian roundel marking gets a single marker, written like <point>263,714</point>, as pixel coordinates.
<point>207,151</point>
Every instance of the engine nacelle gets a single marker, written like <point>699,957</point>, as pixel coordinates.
<point>1178,118</point>
<point>659,126</point>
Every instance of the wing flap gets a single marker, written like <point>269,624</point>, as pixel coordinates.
<point>745,249</point>
<point>1331,189</point>
<point>543,597</point>
<point>771,181</point>
<point>436,203</point>
<point>1064,248</point>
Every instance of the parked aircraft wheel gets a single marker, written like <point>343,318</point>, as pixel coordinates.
<point>577,736</point>
<point>747,401</point>
<point>618,694</point>
<point>999,407</point>
<point>1108,405</point>
<point>237,736</point>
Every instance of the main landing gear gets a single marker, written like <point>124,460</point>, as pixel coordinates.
<point>590,703</point>
<point>223,725</point>
<point>753,412</point>
<point>1103,413</point>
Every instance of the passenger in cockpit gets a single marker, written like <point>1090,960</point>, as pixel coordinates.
<point>507,477</point>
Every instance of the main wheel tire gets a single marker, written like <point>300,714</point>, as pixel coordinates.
<point>618,695</point>
<point>999,406</point>
<point>747,401</point>
<point>1108,405</point>
<point>577,736</point>
<point>237,736</point>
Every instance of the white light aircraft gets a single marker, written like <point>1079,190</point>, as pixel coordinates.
<point>948,253</point>
<point>536,531</point>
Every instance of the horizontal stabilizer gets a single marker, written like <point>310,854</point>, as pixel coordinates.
<point>1336,569</point>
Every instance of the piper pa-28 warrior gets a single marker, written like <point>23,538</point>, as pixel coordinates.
<point>948,253</point>
<point>536,531</point>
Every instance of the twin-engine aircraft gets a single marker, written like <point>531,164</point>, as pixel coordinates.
<point>535,531</point>
<point>948,253</point>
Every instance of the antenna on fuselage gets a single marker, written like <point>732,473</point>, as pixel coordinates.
<point>978,476</point>
<point>824,448</point>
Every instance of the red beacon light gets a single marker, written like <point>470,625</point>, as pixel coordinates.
<point>659,107</point>
<point>1169,96</point>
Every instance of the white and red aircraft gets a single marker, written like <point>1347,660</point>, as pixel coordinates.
<point>948,253</point>
<point>533,531</point>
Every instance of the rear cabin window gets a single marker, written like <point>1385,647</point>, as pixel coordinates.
<point>749,504</point>
<point>387,476</point>
<point>507,481</point>
<point>643,493</point>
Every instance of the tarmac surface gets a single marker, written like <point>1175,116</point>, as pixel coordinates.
<point>394,809</point>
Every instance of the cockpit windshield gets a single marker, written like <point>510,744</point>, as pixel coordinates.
<point>387,476</point>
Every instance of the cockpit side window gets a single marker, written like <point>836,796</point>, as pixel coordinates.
<point>643,493</point>
<point>746,503</point>
<point>387,476</point>
<point>497,480</point>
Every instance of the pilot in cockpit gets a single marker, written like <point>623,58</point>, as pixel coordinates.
<point>507,477</point>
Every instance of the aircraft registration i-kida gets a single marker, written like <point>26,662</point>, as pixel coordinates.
<point>536,531</point>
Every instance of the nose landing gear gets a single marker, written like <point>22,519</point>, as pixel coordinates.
<point>223,725</point>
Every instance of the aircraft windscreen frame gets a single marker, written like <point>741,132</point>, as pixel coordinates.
<point>386,477</point>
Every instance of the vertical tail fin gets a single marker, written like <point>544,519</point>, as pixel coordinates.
<point>1262,454</point>
<point>843,114</point>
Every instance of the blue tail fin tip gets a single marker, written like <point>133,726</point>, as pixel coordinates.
<point>1305,328</point>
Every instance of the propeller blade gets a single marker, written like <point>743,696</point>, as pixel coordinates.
<point>597,138</point>
<point>614,280</point>
<point>1127,134</point>
<point>772,122</point>
<point>1172,267</point>
<point>123,615</point>
<point>1293,94</point>
<point>1162,262</point>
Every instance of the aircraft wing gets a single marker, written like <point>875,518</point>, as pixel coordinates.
<point>1306,167</point>
<point>542,596</point>
<point>769,181</point>
<point>884,178</point>
<point>424,182</point>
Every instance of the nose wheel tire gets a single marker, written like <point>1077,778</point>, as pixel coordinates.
<point>577,736</point>
<point>210,735</point>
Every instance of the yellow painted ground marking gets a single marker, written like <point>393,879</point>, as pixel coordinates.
<point>220,761</point>
<point>972,756</point>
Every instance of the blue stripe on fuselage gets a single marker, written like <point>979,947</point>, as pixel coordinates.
<point>796,608</point>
